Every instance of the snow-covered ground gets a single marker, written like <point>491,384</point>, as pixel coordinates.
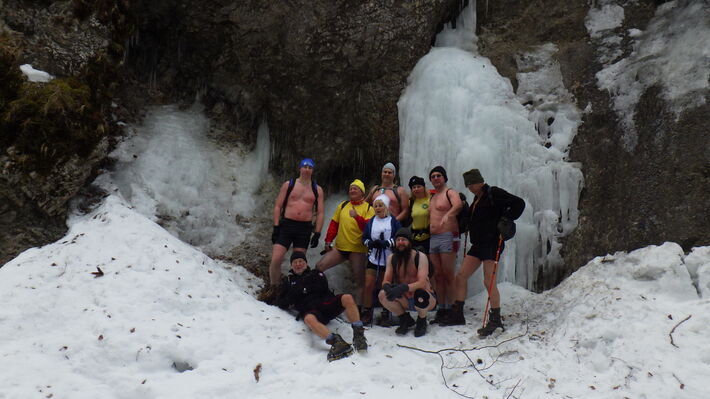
<point>605,332</point>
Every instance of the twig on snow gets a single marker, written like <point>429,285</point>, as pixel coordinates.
<point>670,334</point>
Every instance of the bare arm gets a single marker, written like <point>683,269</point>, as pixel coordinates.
<point>422,274</point>
<point>279,202</point>
<point>403,204</point>
<point>320,216</point>
<point>387,279</point>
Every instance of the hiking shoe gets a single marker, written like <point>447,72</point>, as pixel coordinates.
<point>405,321</point>
<point>366,316</point>
<point>359,341</point>
<point>385,319</point>
<point>494,322</point>
<point>455,316</point>
<point>440,316</point>
<point>269,294</point>
<point>338,348</point>
<point>420,328</point>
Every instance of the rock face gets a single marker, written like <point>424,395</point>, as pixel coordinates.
<point>657,192</point>
<point>53,135</point>
<point>325,74</point>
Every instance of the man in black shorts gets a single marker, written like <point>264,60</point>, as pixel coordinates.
<point>307,290</point>
<point>298,205</point>
<point>490,223</point>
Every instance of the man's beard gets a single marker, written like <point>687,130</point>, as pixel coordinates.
<point>401,256</point>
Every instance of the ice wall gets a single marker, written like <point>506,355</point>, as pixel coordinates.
<point>458,111</point>
<point>171,172</point>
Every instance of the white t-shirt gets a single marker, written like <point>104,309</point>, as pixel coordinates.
<point>384,226</point>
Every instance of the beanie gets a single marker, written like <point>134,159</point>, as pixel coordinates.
<point>404,232</point>
<point>307,162</point>
<point>441,170</point>
<point>416,181</point>
<point>359,184</point>
<point>384,198</point>
<point>473,176</point>
<point>390,165</point>
<point>298,255</point>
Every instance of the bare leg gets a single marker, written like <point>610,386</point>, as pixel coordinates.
<point>448,265</point>
<point>350,308</point>
<point>369,287</point>
<point>330,259</point>
<point>437,281</point>
<point>493,293</point>
<point>397,307</point>
<point>316,326</point>
<point>277,256</point>
<point>469,266</point>
<point>358,262</point>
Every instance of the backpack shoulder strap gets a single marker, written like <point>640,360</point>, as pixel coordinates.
<point>416,260</point>
<point>342,204</point>
<point>314,186</point>
<point>291,183</point>
<point>396,194</point>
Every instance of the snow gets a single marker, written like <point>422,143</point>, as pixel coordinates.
<point>604,18</point>
<point>673,53</point>
<point>459,112</point>
<point>64,333</point>
<point>35,75</point>
<point>172,172</point>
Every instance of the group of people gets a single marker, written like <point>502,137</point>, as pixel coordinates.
<point>401,246</point>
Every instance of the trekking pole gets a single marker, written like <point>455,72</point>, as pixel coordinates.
<point>378,255</point>
<point>493,278</point>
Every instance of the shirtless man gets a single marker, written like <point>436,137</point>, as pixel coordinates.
<point>294,223</point>
<point>399,205</point>
<point>444,205</point>
<point>406,285</point>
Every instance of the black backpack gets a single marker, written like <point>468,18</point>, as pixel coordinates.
<point>464,213</point>
<point>292,183</point>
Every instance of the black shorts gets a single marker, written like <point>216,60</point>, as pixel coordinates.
<point>485,251</point>
<point>421,246</point>
<point>294,232</point>
<point>328,309</point>
<point>373,266</point>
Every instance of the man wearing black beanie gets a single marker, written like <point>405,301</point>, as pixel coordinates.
<point>445,204</point>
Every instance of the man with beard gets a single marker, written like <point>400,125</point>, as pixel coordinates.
<point>406,285</point>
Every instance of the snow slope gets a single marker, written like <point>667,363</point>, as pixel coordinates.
<point>162,304</point>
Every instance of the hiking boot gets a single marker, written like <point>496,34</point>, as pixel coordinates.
<point>269,294</point>
<point>405,321</point>
<point>494,322</point>
<point>385,319</point>
<point>359,341</point>
<point>440,316</point>
<point>420,328</point>
<point>455,316</point>
<point>366,316</point>
<point>338,348</point>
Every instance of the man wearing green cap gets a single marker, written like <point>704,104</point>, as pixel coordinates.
<point>347,224</point>
<point>490,223</point>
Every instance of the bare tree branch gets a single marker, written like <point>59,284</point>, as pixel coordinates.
<point>670,334</point>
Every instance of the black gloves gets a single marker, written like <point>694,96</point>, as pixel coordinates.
<point>275,235</point>
<point>382,244</point>
<point>395,291</point>
<point>314,239</point>
<point>377,244</point>
<point>506,228</point>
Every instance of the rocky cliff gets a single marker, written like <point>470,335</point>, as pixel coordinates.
<point>326,75</point>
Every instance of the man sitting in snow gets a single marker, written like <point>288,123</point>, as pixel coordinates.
<point>307,290</point>
<point>406,285</point>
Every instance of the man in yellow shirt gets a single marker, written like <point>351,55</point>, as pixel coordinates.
<point>347,224</point>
